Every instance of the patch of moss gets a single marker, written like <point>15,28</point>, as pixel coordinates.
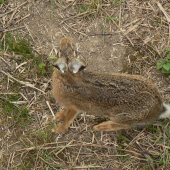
<point>18,45</point>
<point>18,114</point>
<point>22,47</point>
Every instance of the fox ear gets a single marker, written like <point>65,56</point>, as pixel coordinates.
<point>77,65</point>
<point>60,64</point>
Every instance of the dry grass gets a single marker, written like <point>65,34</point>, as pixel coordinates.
<point>27,106</point>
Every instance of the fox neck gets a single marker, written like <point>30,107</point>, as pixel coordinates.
<point>68,77</point>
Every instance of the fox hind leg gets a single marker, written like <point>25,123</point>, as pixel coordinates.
<point>110,126</point>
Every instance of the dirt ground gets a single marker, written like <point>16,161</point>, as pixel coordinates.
<point>112,37</point>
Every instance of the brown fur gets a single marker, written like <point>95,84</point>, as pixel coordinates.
<point>128,100</point>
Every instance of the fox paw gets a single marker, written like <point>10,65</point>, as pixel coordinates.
<point>60,116</point>
<point>60,129</point>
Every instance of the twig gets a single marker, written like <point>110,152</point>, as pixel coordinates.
<point>48,163</point>
<point>21,65</point>
<point>76,30</point>
<point>86,167</point>
<point>166,15</point>
<point>123,33</point>
<point>12,16</point>
<point>64,147</point>
<point>132,28</point>
<point>13,29</point>
<point>12,23</point>
<point>104,34</point>
<point>140,148</point>
<point>18,102</point>
<point>86,128</point>
<point>77,156</point>
<point>142,44</point>
<point>75,145</point>
<point>74,16</point>
<point>9,161</point>
<point>22,82</point>
<point>29,32</point>
<point>22,19</point>
<point>5,61</point>
<point>46,85</point>
<point>134,21</point>
<point>50,108</point>
<point>14,9</point>
<point>164,12</point>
